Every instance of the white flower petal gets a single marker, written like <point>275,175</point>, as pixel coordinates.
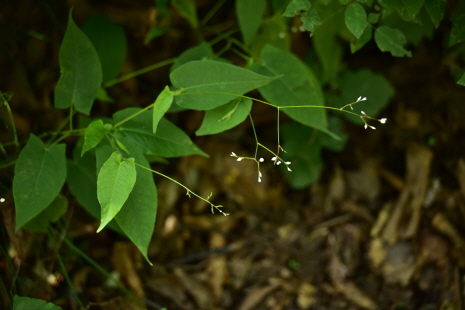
<point>358,99</point>
<point>240,158</point>
<point>363,112</point>
<point>274,158</point>
<point>366,126</point>
<point>288,162</point>
<point>261,160</point>
<point>383,120</point>
<point>233,154</point>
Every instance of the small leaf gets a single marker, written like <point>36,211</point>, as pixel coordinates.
<point>121,146</point>
<point>356,19</point>
<point>40,173</point>
<point>81,72</point>
<point>225,117</point>
<point>169,141</point>
<point>94,134</point>
<point>161,105</point>
<point>457,33</point>
<point>250,14</point>
<point>109,40</point>
<point>115,182</point>
<point>27,303</point>
<point>188,10</point>
<point>296,7</point>
<point>413,7</point>
<point>364,39</point>
<point>462,80</point>
<point>208,84</point>
<point>436,9</point>
<point>391,40</point>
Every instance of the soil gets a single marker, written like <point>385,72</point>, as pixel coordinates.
<point>382,228</point>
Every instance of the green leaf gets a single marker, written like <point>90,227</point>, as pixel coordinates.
<point>364,39</point>
<point>303,152</point>
<point>457,33</point>
<point>274,31</point>
<point>462,80</point>
<point>436,9</point>
<point>51,214</point>
<point>310,20</point>
<point>188,10</point>
<point>169,141</point>
<point>138,214</point>
<point>40,173</point>
<point>296,7</point>
<point>250,14</point>
<point>413,7</point>
<point>161,105</point>
<point>109,40</point>
<point>203,51</point>
<point>391,40</point>
<point>225,117</point>
<point>94,134</point>
<point>391,4</point>
<point>207,84</point>
<point>81,72</point>
<point>356,19</point>
<point>296,86</point>
<point>115,182</point>
<point>27,303</point>
<point>367,84</point>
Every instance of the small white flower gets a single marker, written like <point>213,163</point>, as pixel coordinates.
<point>363,99</point>
<point>366,126</point>
<point>240,158</point>
<point>289,169</point>
<point>233,154</point>
<point>288,162</point>
<point>358,99</point>
<point>274,158</point>
<point>261,160</point>
<point>2,199</point>
<point>259,176</point>
<point>372,127</point>
<point>278,163</point>
<point>383,120</point>
<point>362,112</point>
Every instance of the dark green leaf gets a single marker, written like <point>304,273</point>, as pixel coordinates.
<point>250,14</point>
<point>188,10</point>
<point>457,33</point>
<point>391,4</point>
<point>94,134</point>
<point>364,39</point>
<point>225,117</point>
<point>203,51</point>
<point>462,80</point>
<point>413,7</point>
<point>436,9</point>
<point>169,141</point>
<point>109,40</point>
<point>391,40</point>
<point>161,105</point>
<point>51,214</point>
<point>296,86</point>
<point>356,19</point>
<point>81,72</point>
<point>40,173</point>
<point>310,20</point>
<point>115,182</point>
<point>208,84</point>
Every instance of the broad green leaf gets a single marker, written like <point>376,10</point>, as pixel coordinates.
<point>364,39</point>
<point>51,214</point>
<point>303,152</point>
<point>373,18</point>
<point>296,86</point>
<point>462,80</point>
<point>81,72</point>
<point>356,19</point>
<point>367,84</point>
<point>335,145</point>
<point>207,84</point>
<point>296,7</point>
<point>274,31</point>
<point>169,141</point>
<point>188,10</point>
<point>457,33</point>
<point>225,117</point>
<point>203,51</point>
<point>391,40</point>
<point>40,173</point>
<point>436,9</point>
<point>109,40</point>
<point>94,134</point>
<point>413,7</point>
<point>115,182</point>
<point>27,303</point>
<point>249,14</point>
<point>161,105</point>
<point>138,214</point>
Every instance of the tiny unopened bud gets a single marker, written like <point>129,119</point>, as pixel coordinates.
<point>366,126</point>
<point>362,112</point>
<point>383,120</point>
<point>240,158</point>
<point>261,160</point>
<point>233,154</point>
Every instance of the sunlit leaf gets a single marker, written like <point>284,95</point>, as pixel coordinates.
<point>93,135</point>
<point>161,105</point>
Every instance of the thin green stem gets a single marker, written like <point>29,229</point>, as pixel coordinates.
<point>139,72</point>
<point>255,135</point>
<point>212,12</point>
<point>134,115</point>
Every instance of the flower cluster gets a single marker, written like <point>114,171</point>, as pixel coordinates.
<point>363,116</point>
<point>277,161</point>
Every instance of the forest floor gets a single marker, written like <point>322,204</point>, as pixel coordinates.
<point>382,228</point>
